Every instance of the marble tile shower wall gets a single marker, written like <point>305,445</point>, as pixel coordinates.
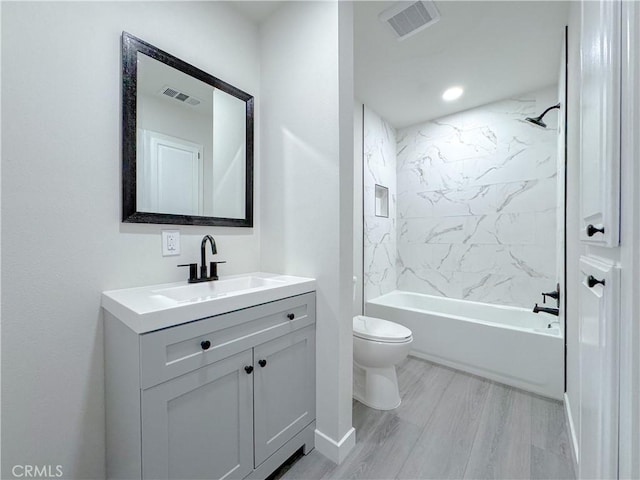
<point>477,205</point>
<point>380,249</point>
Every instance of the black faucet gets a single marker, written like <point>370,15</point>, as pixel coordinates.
<point>552,311</point>
<point>203,255</point>
<point>555,295</point>
<point>213,266</point>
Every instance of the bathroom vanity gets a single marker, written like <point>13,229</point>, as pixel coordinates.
<point>211,380</point>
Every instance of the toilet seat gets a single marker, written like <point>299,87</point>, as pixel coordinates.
<point>378,330</point>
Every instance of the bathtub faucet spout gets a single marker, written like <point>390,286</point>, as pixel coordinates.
<point>551,311</point>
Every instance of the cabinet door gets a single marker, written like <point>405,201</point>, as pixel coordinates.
<point>200,425</point>
<point>284,384</point>
<point>600,122</point>
<point>598,330</point>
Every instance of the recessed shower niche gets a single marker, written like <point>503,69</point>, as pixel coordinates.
<point>381,201</point>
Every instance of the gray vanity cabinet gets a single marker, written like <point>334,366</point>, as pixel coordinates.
<point>284,390</point>
<point>230,396</point>
<point>199,425</point>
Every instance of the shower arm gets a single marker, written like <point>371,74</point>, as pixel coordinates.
<point>545,112</point>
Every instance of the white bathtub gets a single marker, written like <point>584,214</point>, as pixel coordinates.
<point>506,344</point>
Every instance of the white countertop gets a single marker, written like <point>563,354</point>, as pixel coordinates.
<point>145,309</point>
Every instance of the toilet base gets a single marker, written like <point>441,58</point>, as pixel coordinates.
<point>376,387</point>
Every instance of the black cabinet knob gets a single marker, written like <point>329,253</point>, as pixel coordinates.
<point>248,369</point>
<point>290,316</point>
<point>205,344</point>
<point>262,363</point>
<point>593,281</point>
<point>591,230</point>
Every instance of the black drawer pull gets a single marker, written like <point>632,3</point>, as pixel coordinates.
<point>591,230</point>
<point>593,281</point>
<point>262,363</point>
<point>290,316</point>
<point>206,344</point>
<point>248,369</point>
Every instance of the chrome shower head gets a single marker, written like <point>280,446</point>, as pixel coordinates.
<point>538,120</point>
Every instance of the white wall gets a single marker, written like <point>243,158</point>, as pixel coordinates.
<point>477,203</point>
<point>630,243</point>
<point>340,413</point>
<point>0,253</point>
<point>573,215</point>
<point>63,242</point>
<point>307,182</point>
<point>229,155</point>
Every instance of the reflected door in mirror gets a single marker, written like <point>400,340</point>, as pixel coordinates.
<point>170,176</point>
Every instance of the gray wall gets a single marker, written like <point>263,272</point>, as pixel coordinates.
<point>63,242</point>
<point>307,183</point>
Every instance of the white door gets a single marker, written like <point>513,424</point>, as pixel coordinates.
<point>170,175</point>
<point>200,425</point>
<point>598,330</point>
<point>600,122</point>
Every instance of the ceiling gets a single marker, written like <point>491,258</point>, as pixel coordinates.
<point>492,49</point>
<point>257,11</point>
<point>154,76</point>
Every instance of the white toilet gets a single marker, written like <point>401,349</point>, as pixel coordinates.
<point>378,346</point>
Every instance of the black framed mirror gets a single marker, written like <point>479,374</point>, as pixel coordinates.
<point>187,142</point>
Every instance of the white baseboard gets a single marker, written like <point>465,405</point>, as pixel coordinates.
<point>335,451</point>
<point>572,433</point>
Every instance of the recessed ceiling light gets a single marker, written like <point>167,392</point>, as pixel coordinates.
<point>452,93</point>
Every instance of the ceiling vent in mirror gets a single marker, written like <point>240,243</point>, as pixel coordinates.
<point>407,18</point>
<point>180,96</point>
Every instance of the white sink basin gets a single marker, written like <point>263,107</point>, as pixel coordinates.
<point>200,291</point>
<point>145,309</point>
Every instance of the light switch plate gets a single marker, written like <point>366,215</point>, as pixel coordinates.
<point>170,242</point>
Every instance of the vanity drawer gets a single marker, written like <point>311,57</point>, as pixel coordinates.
<point>174,351</point>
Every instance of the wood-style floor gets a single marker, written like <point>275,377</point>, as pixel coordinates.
<point>451,425</point>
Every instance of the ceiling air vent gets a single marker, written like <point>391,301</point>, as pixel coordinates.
<point>408,18</point>
<point>180,96</point>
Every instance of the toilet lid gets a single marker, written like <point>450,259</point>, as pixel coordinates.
<point>371,328</point>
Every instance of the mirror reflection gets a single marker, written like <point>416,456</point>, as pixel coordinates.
<point>191,145</point>
<point>187,142</point>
